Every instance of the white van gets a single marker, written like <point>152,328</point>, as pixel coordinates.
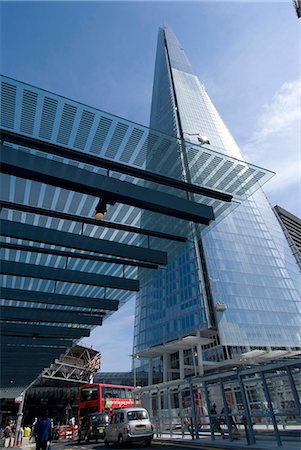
<point>129,425</point>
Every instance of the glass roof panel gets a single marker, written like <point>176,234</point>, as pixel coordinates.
<point>33,112</point>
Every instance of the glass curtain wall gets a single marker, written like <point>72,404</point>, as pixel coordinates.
<point>250,266</point>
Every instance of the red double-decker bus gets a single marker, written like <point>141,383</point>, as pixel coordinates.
<point>105,398</point>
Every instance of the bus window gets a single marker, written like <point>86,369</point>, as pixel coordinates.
<point>106,392</point>
<point>116,393</point>
<point>88,394</point>
<point>111,392</point>
<point>129,393</point>
<point>122,393</point>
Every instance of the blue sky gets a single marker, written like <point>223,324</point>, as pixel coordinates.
<point>102,53</point>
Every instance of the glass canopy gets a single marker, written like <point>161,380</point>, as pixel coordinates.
<point>46,252</point>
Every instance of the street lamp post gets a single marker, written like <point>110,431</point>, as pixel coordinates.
<point>135,356</point>
<point>194,356</point>
<point>20,413</point>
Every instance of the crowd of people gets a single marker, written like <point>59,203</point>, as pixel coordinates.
<point>8,433</point>
<point>41,432</point>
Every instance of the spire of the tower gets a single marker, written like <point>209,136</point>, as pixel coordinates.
<point>177,56</point>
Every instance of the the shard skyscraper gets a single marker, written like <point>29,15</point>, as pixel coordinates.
<point>238,285</point>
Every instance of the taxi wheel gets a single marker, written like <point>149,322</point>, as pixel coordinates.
<point>120,440</point>
<point>106,443</point>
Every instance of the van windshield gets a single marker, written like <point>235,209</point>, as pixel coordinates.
<point>137,415</point>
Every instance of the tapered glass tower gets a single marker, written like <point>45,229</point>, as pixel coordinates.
<point>238,284</point>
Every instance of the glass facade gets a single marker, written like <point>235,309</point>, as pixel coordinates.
<point>245,257</point>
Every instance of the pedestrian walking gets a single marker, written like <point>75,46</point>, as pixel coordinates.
<point>216,421</point>
<point>7,434</point>
<point>31,437</point>
<point>230,417</point>
<point>43,431</point>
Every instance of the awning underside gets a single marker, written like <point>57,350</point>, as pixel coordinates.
<point>63,272</point>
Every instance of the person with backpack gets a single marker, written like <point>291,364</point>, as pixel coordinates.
<point>43,431</point>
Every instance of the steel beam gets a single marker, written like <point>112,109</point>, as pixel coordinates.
<point>294,391</point>
<point>33,233</point>
<point>30,372</point>
<point>271,413</point>
<point>38,354</point>
<point>47,251</point>
<point>37,330</point>
<point>22,314</point>
<point>30,364</point>
<point>87,220</point>
<point>29,342</point>
<point>58,299</point>
<point>97,161</point>
<point>54,173</point>
<point>69,276</point>
<point>14,379</point>
<point>32,357</point>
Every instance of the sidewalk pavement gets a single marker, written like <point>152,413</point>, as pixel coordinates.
<point>265,439</point>
<point>268,443</point>
<point>239,444</point>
